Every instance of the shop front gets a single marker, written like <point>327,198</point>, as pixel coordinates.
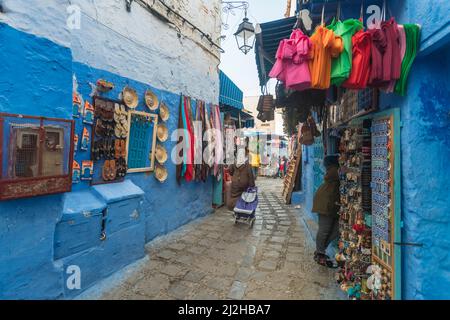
<point>390,140</point>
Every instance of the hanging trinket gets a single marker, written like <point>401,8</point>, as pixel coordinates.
<point>75,143</point>
<point>104,86</point>
<point>88,116</point>
<point>87,169</point>
<point>76,105</point>
<point>76,172</point>
<point>85,140</point>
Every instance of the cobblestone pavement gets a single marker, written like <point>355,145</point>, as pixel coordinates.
<point>213,258</point>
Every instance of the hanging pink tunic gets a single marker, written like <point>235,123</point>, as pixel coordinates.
<point>278,70</point>
<point>402,47</point>
<point>291,66</point>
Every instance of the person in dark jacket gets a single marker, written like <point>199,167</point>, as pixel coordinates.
<point>241,178</point>
<point>326,205</point>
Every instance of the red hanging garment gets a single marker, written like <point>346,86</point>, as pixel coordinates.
<point>392,60</point>
<point>361,61</point>
<point>189,175</point>
<point>396,62</point>
<point>402,43</point>
<point>387,56</point>
<point>180,143</point>
<point>379,45</point>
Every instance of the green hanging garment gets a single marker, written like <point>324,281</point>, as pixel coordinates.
<point>412,32</point>
<point>342,66</point>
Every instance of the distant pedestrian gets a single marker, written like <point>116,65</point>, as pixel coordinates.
<point>326,205</point>
<point>282,166</point>
<point>286,164</point>
<point>255,163</point>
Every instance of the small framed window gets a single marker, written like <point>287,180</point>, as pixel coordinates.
<point>141,141</point>
<point>36,156</point>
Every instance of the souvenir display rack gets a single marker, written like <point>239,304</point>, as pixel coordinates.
<point>108,148</point>
<point>386,206</point>
<point>354,255</point>
<point>369,253</point>
<point>352,104</point>
<point>36,155</point>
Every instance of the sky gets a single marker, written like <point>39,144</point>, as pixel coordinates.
<point>239,67</point>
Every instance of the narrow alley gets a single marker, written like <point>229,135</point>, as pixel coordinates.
<point>213,258</point>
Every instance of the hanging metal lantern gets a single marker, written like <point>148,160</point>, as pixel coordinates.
<point>245,35</point>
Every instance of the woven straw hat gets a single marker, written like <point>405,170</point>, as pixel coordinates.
<point>151,100</point>
<point>162,132</point>
<point>161,154</point>
<point>130,97</point>
<point>164,112</point>
<point>161,173</point>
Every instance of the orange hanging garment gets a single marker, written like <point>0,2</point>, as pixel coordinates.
<point>325,46</point>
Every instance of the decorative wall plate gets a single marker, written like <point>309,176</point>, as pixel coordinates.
<point>130,97</point>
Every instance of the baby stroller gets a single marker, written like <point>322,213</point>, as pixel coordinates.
<point>245,208</point>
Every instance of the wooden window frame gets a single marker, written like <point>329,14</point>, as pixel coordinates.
<point>25,187</point>
<point>153,150</point>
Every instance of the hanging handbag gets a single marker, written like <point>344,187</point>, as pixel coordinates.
<point>269,115</point>
<point>306,137</point>
<point>265,103</point>
<point>260,104</point>
<point>268,103</point>
<point>281,95</point>
<point>312,124</point>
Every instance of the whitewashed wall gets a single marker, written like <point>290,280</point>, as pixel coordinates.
<point>134,44</point>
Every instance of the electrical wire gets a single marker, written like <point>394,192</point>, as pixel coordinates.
<point>184,20</point>
<point>146,6</point>
<point>142,45</point>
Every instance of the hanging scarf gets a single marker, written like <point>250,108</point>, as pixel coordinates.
<point>186,138</point>
<point>214,138</point>
<point>209,160</point>
<point>201,169</point>
<point>205,167</point>
<point>189,174</point>
<point>412,33</point>
<point>219,143</point>
<point>180,143</point>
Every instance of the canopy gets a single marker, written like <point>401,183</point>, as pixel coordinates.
<point>231,101</point>
<point>247,120</point>
<point>230,94</point>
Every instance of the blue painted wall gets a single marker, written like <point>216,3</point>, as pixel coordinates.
<point>163,212</point>
<point>37,80</point>
<point>425,153</point>
<point>26,258</point>
<point>425,150</point>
